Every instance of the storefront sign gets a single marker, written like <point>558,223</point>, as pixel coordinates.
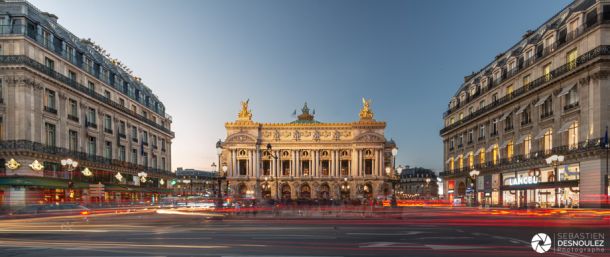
<point>529,180</point>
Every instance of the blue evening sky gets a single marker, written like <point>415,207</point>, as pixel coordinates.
<point>203,57</point>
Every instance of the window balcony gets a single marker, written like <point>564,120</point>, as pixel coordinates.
<point>154,147</point>
<point>570,107</point>
<point>451,148</point>
<point>460,146</point>
<point>135,140</point>
<point>73,118</point>
<point>90,125</point>
<point>163,149</point>
<point>494,134</point>
<point>122,135</point>
<point>509,128</point>
<point>470,142</point>
<point>481,138</point>
<point>526,122</point>
<point>50,110</point>
<point>107,130</point>
<point>145,143</point>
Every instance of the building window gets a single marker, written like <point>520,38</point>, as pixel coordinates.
<point>526,79</point>
<point>470,110</point>
<point>494,127</point>
<point>451,144</point>
<point>508,122</point>
<point>461,140</point>
<point>461,116</point>
<point>163,163</point>
<point>122,128</point>
<point>470,136</point>
<point>162,144</point>
<point>573,135</point>
<point>50,104</point>
<point>285,168</point>
<point>526,116</point>
<point>495,154</point>
<point>481,132</point>
<point>108,150</point>
<point>547,108</point>
<point>122,102</point>
<point>107,94</point>
<point>546,71</point>
<point>510,150</point>
<point>49,63</point>
<point>92,147</point>
<point>107,123</point>
<point>73,140</point>
<point>368,167</point>
<point>243,167</point>
<point>509,90</point>
<point>121,153</point>
<point>547,141</point>
<point>73,108</point>
<point>571,98</point>
<point>145,159</point>
<point>266,166</point>
<point>494,97</point>
<point>72,75</point>
<point>50,132</point>
<point>571,59</point>
<point>344,165</point>
<point>481,105</point>
<point>325,168</point>
<point>145,137</point>
<point>154,162</point>
<point>527,146</point>
<point>134,133</point>
<point>134,156</point>
<point>305,168</point>
<point>451,165</point>
<point>91,86</point>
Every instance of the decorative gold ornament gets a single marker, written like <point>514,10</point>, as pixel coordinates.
<point>36,166</point>
<point>118,176</point>
<point>245,114</point>
<point>12,164</point>
<point>366,113</point>
<point>87,172</point>
<point>161,182</point>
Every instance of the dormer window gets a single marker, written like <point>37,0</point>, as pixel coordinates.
<point>473,90</point>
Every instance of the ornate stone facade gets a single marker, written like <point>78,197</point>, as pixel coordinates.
<point>308,159</point>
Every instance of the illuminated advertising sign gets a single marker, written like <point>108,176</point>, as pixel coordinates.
<point>529,180</point>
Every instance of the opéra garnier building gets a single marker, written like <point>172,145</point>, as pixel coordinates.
<point>307,159</point>
<point>528,129</point>
<point>75,124</point>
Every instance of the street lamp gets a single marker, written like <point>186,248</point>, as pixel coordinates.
<point>428,186</point>
<point>345,188</point>
<point>214,168</point>
<point>555,160</point>
<point>473,175</point>
<point>277,183</point>
<point>69,165</point>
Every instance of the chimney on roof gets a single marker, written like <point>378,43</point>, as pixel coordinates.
<point>51,16</point>
<point>467,78</point>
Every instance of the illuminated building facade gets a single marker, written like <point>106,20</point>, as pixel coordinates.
<point>62,97</point>
<point>545,96</point>
<point>308,159</point>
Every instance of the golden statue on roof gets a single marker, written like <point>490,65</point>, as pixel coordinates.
<point>365,112</point>
<point>244,113</point>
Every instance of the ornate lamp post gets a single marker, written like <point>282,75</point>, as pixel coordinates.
<point>428,187</point>
<point>345,188</point>
<point>473,175</point>
<point>69,165</point>
<point>220,175</point>
<point>277,184</point>
<point>555,160</point>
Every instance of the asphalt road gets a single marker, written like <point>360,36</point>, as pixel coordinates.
<point>411,232</point>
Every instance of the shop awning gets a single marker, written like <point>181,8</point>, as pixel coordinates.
<point>505,143</point>
<point>522,109</point>
<point>40,182</point>
<point>478,151</point>
<point>565,127</point>
<point>491,147</point>
<point>541,133</point>
<point>541,101</point>
<point>565,90</point>
<point>505,116</point>
<point>468,154</point>
<point>522,138</point>
<point>115,188</point>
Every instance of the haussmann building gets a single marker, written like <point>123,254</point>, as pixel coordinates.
<point>75,126</point>
<point>528,129</point>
